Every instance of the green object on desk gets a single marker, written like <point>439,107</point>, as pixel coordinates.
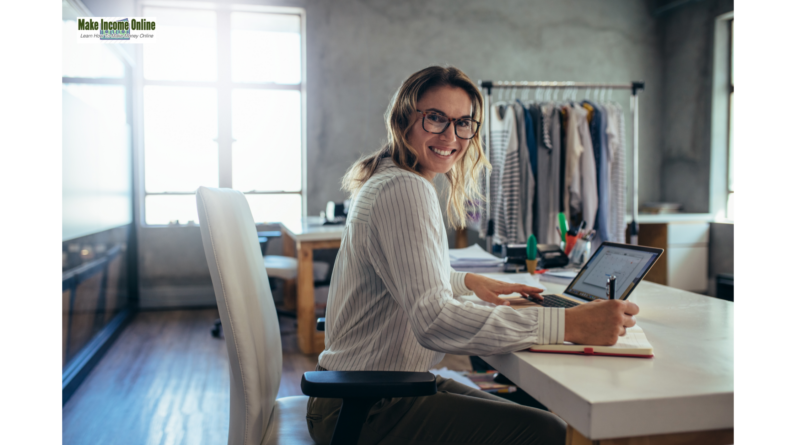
<point>562,224</point>
<point>530,248</point>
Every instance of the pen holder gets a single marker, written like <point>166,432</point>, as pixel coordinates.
<point>531,265</point>
<point>580,253</point>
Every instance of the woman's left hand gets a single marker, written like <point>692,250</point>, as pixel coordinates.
<point>489,290</point>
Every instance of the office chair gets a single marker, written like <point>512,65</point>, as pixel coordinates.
<point>248,316</point>
<point>280,267</point>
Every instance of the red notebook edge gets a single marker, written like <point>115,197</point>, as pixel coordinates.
<point>590,352</point>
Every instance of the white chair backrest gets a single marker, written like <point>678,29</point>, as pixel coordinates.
<point>248,315</point>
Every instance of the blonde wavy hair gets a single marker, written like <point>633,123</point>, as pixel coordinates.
<point>465,176</point>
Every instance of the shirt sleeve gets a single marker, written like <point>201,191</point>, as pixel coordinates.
<point>457,283</point>
<point>407,252</point>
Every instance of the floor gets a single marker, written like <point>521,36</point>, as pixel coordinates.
<point>166,381</point>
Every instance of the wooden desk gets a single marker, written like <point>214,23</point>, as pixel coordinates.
<point>308,234</point>
<point>684,395</point>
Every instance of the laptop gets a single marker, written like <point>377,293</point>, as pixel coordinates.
<point>628,263</point>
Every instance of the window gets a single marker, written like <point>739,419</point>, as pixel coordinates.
<point>97,161</point>
<point>223,104</point>
<point>730,154</point>
<point>722,183</point>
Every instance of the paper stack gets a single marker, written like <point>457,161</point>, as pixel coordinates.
<point>560,276</point>
<point>475,259</point>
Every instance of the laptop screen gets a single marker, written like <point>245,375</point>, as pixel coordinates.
<point>628,263</point>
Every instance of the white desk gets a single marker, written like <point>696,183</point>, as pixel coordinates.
<point>308,234</point>
<point>686,387</point>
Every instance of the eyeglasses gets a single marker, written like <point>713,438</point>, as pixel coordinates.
<point>465,128</point>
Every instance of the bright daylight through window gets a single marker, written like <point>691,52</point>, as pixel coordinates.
<point>730,153</point>
<point>223,108</point>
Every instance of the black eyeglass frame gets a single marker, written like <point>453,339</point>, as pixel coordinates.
<point>450,119</point>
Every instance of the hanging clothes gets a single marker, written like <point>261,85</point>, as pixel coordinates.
<point>527,180</point>
<point>507,226</point>
<point>616,142</point>
<point>530,138</point>
<point>549,158</point>
<point>503,156</point>
<point>534,145</point>
<point>585,200</point>
<point>573,150</point>
<point>597,128</point>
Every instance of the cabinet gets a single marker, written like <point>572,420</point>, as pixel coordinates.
<point>684,263</point>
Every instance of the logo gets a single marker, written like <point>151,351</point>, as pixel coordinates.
<point>116,29</point>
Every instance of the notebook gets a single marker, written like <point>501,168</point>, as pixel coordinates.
<point>633,344</point>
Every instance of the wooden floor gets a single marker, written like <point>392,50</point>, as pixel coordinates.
<point>166,381</point>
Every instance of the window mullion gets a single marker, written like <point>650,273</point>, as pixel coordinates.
<point>224,99</point>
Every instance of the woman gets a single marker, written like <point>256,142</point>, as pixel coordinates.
<point>391,303</point>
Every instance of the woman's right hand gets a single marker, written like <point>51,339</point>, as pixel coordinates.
<point>600,322</point>
<point>489,290</point>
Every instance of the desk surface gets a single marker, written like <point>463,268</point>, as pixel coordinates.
<point>687,386</point>
<point>312,229</point>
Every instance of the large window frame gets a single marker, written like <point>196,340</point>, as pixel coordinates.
<point>730,213</point>
<point>224,87</point>
<point>721,152</point>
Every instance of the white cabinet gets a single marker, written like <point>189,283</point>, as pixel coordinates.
<point>688,268</point>
<point>687,256</point>
<point>684,264</point>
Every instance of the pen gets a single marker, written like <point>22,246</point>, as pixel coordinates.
<point>610,287</point>
<point>581,227</point>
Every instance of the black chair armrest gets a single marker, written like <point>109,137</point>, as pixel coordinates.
<point>368,384</point>
<point>321,324</point>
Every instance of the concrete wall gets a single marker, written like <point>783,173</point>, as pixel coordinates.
<point>687,49</point>
<point>359,52</point>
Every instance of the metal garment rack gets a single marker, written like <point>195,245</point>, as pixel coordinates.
<point>634,87</point>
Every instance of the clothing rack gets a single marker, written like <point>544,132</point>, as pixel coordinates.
<point>634,87</point>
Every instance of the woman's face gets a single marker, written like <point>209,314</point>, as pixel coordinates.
<point>437,153</point>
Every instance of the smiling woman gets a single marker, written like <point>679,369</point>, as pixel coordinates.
<point>421,139</point>
<point>392,304</point>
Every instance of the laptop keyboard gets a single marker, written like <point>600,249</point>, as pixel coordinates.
<point>556,301</point>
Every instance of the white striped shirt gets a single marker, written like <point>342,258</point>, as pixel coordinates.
<point>393,302</point>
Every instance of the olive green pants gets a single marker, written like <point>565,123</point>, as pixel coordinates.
<point>457,414</point>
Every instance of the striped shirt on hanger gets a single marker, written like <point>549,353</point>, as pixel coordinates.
<point>616,140</point>
<point>393,302</point>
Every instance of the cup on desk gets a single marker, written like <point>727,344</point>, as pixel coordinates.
<point>580,252</point>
